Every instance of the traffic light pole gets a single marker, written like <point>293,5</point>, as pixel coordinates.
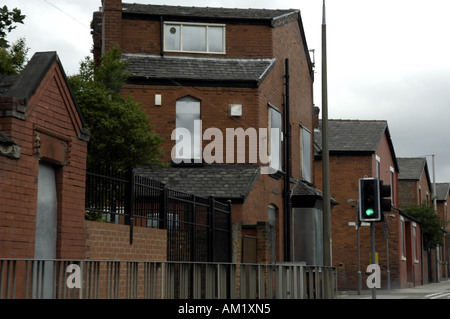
<point>373,202</point>
<point>372,254</point>
<point>358,225</point>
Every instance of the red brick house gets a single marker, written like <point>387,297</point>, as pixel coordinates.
<point>43,144</point>
<point>231,69</point>
<point>415,188</point>
<point>414,180</point>
<point>364,149</point>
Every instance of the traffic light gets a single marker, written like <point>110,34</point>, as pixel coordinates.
<point>385,194</point>
<point>369,200</point>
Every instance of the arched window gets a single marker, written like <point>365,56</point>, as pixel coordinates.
<point>188,130</point>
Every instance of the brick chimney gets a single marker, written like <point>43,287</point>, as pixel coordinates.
<point>111,24</point>
<point>96,31</point>
<point>316,117</point>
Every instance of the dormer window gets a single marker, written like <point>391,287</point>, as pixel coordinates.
<point>194,37</point>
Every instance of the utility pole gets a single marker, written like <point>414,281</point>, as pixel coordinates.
<point>325,151</point>
<point>438,269</point>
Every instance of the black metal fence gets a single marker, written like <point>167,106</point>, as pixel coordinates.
<point>198,228</point>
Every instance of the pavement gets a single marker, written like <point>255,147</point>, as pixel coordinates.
<point>440,290</point>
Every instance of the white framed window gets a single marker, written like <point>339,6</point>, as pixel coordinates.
<point>378,160</point>
<point>391,181</point>
<point>188,130</point>
<point>194,37</point>
<point>275,125</point>
<point>305,153</point>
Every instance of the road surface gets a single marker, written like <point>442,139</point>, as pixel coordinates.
<point>430,291</point>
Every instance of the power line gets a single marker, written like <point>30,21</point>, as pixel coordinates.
<point>67,14</point>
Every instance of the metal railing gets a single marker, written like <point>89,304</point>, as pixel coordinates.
<point>87,279</point>
<point>198,228</point>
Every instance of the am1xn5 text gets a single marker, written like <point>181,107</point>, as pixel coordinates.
<point>242,308</point>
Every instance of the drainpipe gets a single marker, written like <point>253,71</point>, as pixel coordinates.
<point>287,177</point>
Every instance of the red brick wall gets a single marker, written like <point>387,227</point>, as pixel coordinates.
<point>249,41</point>
<point>107,241</point>
<point>408,191</point>
<point>51,116</point>
<point>214,109</point>
<point>112,24</point>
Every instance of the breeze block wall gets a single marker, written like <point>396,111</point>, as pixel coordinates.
<point>108,241</point>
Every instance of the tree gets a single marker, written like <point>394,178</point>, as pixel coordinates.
<point>121,134</point>
<point>12,58</point>
<point>431,224</point>
<point>7,21</point>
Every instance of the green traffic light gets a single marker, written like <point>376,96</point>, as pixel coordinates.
<point>369,212</point>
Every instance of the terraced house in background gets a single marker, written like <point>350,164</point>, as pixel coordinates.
<point>235,69</point>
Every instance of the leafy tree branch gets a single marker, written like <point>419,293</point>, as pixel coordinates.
<point>121,134</point>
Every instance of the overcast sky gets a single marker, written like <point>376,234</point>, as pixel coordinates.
<point>387,59</point>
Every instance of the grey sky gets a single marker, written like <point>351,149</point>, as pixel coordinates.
<point>387,59</point>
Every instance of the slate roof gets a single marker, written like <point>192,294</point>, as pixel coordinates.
<point>411,168</point>
<point>25,84</point>
<point>20,88</point>
<point>216,13</point>
<point>352,135</point>
<point>223,181</point>
<point>181,68</point>
<point>442,191</point>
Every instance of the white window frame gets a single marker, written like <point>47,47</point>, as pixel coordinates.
<point>391,177</point>
<point>402,238</point>
<point>277,148</point>
<point>206,25</point>
<point>190,145</point>
<point>378,164</point>
<point>306,175</point>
